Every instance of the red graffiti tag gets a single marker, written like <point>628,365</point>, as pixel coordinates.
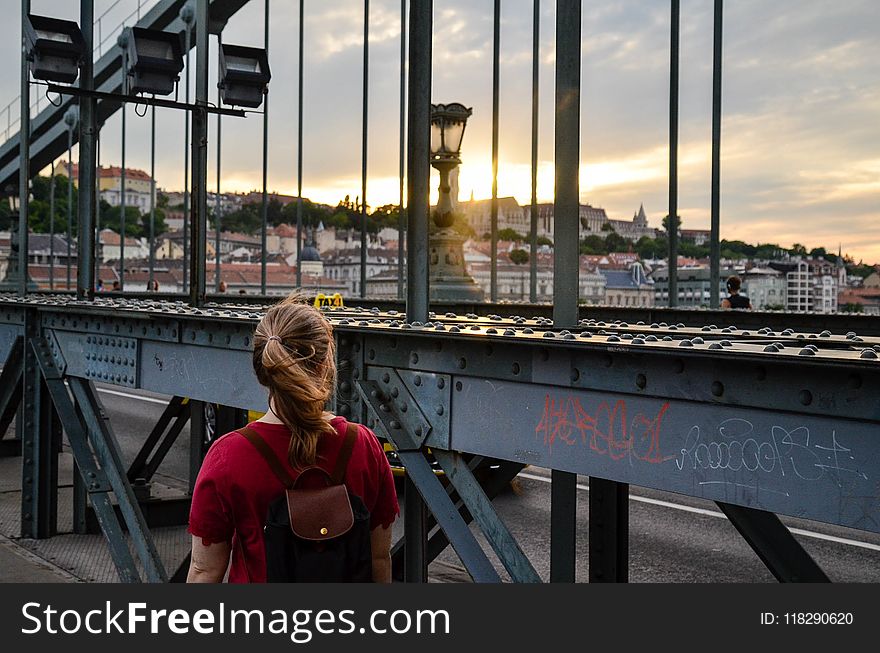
<point>606,429</point>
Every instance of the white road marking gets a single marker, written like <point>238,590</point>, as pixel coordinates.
<point>131,396</point>
<point>717,513</point>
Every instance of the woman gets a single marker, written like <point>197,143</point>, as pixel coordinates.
<point>735,300</point>
<point>294,358</point>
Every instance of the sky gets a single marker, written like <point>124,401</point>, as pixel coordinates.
<point>800,135</point>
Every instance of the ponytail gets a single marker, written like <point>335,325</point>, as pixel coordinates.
<point>295,358</point>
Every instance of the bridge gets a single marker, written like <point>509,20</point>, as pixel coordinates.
<point>768,415</point>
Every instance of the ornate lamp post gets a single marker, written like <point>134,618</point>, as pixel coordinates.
<point>449,278</point>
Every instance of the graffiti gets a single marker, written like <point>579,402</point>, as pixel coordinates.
<point>781,451</point>
<point>607,430</point>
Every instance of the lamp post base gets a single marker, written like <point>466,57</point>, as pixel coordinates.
<point>449,279</point>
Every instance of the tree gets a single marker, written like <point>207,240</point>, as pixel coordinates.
<point>666,223</point>
<point>519,256</point>
<point>134,226</point>
<point>851,307</point>
<point>593,245</point>
<point>159,225</point>
<point>543,240</point>
<point>798,250</point>
<point>614,242</point>
<point>511,235</point>
<point>246,220</point>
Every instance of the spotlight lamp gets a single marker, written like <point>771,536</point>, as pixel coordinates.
<point>244,75</point>
<point>154,60</point>
<point>54,48</point>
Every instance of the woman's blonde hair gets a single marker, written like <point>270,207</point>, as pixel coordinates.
<point>295,358</point>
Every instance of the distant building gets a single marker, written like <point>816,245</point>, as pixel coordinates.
<point>866,299</point>
<point>242,246</point>
<point>765,287</point>
<point>694,286</point>
<point>629,287</point>
<point>110,249</point>
<point>138,185</point>
<point>872,280</point>
<point>343,266</point>
<point>594,221</point>
<point>635,229</point>
<point>513,279</point>
<point>510,215</point>
<point>44,249</point>
<point>698,237</point>
<point>812,284</point>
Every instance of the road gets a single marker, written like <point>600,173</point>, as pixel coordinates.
<point>672,538</point>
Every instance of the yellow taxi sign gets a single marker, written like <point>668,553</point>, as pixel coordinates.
<point>332,301</point>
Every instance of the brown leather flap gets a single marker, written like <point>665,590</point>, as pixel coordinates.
<point>320,513</point>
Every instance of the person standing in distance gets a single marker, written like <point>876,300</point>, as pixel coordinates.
<point>735,300</point>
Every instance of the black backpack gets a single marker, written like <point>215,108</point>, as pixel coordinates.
<point>315,535</point>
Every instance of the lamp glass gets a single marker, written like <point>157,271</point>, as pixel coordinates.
<point>453,132</point>
<point>436,138</point>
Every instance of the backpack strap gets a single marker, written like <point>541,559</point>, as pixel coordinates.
<point>351,433</point>
<point>268,455</point>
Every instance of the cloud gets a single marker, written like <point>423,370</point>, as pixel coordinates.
<point>801,97</point>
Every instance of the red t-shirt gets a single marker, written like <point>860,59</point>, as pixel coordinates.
<point>235,487</point>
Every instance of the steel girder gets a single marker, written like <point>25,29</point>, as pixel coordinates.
<point>774,430</point>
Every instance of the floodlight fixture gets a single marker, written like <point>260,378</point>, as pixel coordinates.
<point>54,48</point>
<point>153,60</point>
<point>244,75</point>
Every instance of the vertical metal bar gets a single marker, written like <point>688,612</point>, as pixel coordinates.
<point>265,206</point>
<point>152,262</point>
<point>496,71</point>
<point>96,203</point>
<point>24,161</point>
<point>609,531</point>
<point>533,222</point>
<point>299,148</point>
<point>52,226</point>
<point>418,159</point>
<point>199,212</point>
<point>673,154</point>
<point>69,201</point>
<point>196,440</point>
<point>39,459</point>
<point>567,154</point>
<point>563,520</point>
<point>80,502</point>
<point>415,532</point>
<point>563,493</point>
<point>122,176</point>
<point>715,232</point>
<point>218,207</point>
<point>186,146</point>
<point>401,214</point>
<point>365,125</point>
<point>418,213</point>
